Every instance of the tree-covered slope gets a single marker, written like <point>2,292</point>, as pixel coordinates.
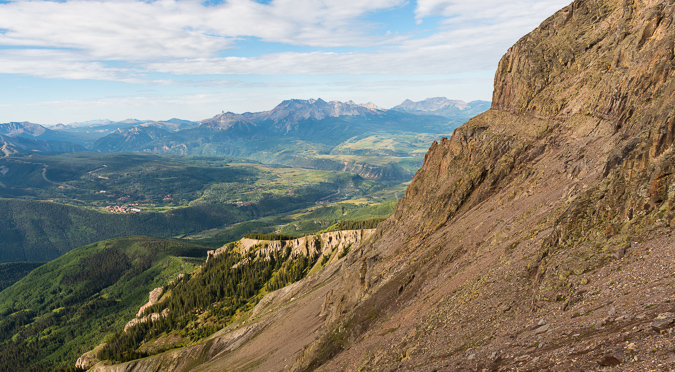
<point>41,231</point>
<point>12,272</point>
<point>67,306</point>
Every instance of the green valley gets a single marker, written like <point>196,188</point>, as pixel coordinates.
<point>58,202</point>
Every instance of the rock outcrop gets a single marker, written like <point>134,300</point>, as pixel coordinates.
<point>320,244</point>
<point>292,313</point>
<point>146,318</point>
<point>89,359</point>
<point>153,298</point>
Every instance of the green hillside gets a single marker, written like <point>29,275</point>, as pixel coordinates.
<point>12,272</point>
<point>69,305</point>
<point>41,231</point>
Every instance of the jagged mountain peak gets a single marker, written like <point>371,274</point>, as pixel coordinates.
<point>442,106</point>
<point>94,122</point>
<point>431,104</point>
<point>229,121</point>
<point>131,121</point>
<point>331,108</point>
<point>289,113</point>
<point>371,106</point>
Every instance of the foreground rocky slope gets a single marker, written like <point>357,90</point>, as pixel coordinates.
<point>537,238</point>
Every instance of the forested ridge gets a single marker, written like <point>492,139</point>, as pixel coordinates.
<point>67,306</point>
<point>200,304</point>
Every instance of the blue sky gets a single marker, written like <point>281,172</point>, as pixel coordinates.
<point>76,60</point>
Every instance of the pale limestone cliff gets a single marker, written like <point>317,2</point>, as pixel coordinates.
<point>322,244</point>
<point>142,319</point>
<point>88,359</point>
<point>154,297</point>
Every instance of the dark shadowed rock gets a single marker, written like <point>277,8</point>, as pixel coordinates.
<point>663,321</point>
<point>609,361</point>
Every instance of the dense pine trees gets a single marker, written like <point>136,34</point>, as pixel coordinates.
<point>269,236</point>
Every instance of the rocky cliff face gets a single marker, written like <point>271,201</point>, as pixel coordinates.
<point>538,237</point>
<point>323,244</point>
<point>528,213</point>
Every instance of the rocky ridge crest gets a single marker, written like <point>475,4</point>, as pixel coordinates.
<point>322,244</point>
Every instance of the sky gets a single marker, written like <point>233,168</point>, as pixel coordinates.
<point>69,61</point>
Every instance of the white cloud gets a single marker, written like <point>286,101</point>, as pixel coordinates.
<point>57,64</point>
<point>82,39</point>
<point>137,30</point>
<point>476,46</point>
<point>493,11</point>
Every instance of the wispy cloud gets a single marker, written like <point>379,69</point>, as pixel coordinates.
<point>48,63</point>
<point>490,11</point>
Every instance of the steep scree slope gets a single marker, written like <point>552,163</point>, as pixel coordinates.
<point>531,215</point>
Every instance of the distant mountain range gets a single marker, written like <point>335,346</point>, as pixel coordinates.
<point>443,106</point>
<point>296,132</point>
<point>20,138</point>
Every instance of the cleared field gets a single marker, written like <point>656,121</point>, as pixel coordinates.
<point>378,143</point>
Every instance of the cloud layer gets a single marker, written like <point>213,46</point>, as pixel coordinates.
<point>127,39</point>
<point>74,60</point>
